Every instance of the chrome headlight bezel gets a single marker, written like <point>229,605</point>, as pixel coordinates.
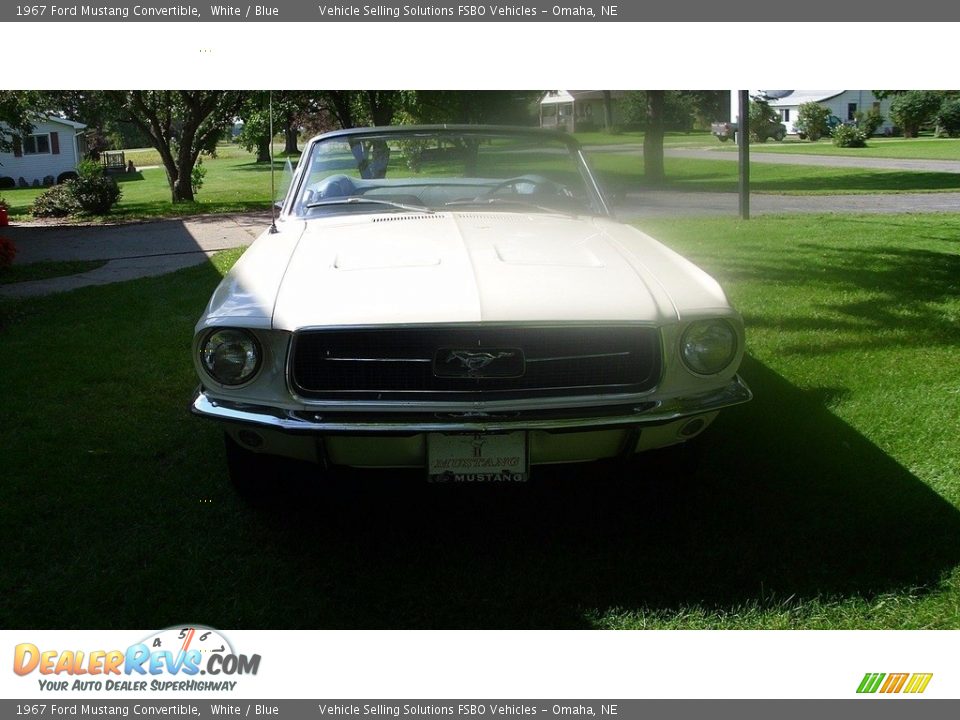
<point>696,344</point>
<point>219,337</point>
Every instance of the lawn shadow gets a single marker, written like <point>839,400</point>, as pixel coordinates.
<point>126,177</point>
<point>780,500</point>
<point>899,294</point>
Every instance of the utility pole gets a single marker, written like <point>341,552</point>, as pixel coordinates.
<point>743,143</point>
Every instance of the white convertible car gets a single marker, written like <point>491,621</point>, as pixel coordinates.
<point>459,299</point>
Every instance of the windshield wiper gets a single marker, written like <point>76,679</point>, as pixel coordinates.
<point>509,201</point>
<point>369,201</point>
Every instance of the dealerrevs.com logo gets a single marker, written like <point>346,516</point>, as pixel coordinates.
<point>174,659</point>
<point>892,683</point>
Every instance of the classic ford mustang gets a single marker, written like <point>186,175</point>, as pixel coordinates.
<point>460,299</point>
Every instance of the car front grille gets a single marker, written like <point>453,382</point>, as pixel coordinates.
<point>474,362</point>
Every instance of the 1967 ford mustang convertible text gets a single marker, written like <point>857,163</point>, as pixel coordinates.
<point>458,299</point>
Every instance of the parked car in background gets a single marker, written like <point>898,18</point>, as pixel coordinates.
<point>458,299</point>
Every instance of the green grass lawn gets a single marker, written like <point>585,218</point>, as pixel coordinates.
<point>721,176</point>
<point>232,184</point>
<point>922,148</point>
<point>225,151</point>
<point>695,138</point>
<point>830,501</point>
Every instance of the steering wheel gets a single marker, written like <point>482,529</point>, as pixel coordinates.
<point>540,186</point>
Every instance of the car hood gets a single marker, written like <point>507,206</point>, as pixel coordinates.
<point>417,268</point>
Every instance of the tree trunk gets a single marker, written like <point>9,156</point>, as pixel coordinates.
<point>171,167</point>
<point>607,111</point>
<point>653,138</point>
<point>263,149</point>
<point>182,190</point>
<point>290,141</point>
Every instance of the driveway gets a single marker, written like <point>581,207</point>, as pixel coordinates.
<point>667,203</point>
<point>133,251</point>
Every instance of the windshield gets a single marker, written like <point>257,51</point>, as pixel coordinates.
<point>443,170</point>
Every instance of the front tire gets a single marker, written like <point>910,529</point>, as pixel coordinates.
<point>250,473</point>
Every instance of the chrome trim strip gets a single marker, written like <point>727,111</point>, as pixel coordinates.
<point>343,359</point>
<point>734,393</point>
<point>579,357</point>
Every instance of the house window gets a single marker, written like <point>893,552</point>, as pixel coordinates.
<point>785,115</point>
<point>851,111</point>
<point>36,145</point>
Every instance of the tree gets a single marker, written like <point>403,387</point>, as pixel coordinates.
<point>16,111</point>
<point>653,137</point>
<point>761,117</point>
<point>677,111</point>
<point>914,108</point>
<point>812,120</point>
<point>181,124</point>
<point>607,111</point>
<point>709,105</point>
<point>255,135</point>
<point>468,107</point>
<point>948,118</point>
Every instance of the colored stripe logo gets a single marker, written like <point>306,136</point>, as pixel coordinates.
<point>912,683</point>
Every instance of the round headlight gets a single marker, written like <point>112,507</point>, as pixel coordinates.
<point>231,357</point>
<point>708,346</point>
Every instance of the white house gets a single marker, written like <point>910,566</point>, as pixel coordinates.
<point>54,147</point>
<point>844,104</point>
<point>572,110</point>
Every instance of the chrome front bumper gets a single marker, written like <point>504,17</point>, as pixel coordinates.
<point>651,412</point>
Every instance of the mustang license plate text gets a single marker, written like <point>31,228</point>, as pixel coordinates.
<point>477,458</point>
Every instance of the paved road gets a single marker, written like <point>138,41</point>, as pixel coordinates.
<point>133,251</point>
<point>664,203</point>
<point>840,161</point>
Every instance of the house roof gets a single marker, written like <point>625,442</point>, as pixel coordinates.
<point>553,97</point>
<point>63,121</point>
<point>799,97</point>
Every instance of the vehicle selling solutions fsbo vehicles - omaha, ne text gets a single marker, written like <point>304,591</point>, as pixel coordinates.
<point>458,299</point>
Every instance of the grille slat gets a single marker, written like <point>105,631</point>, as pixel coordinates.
<point>398,363</point>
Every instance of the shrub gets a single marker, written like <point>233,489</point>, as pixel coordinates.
<point>89,169</point>
<point>7,183</point>
<point>64,176</point>
<point>812,121</point>
<point>92,192</point>
<point>849,136</point>
<point>948,117</point>
<point>58,201</point>
<point>49,181</point>
<point>8,251</point>
<point>914,108</point>
<point>95,194</point>
<point>869,121</point>
<point>197,175</point>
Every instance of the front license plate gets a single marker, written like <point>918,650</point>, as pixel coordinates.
<point>477,458</point>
